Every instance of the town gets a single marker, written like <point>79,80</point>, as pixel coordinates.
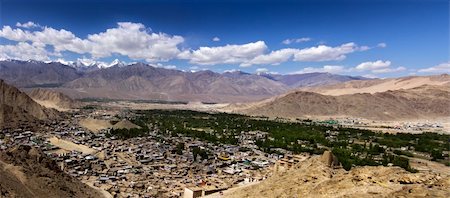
<point>174,153</point>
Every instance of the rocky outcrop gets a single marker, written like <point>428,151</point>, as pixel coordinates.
<point>27,172</point>
<point>16,108</point>
<point>329,159</point>
<point>315,178</point>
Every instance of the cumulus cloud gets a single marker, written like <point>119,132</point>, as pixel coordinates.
<point>365,68</point>
<point>127,39</point>
<point>137,42</point>
<point>441,68</point>
<point>23,51</point>
<point>273,58</point>
<point>325,53</point>
<point>296,40</point>
<point>134,41</point>
<point>377,65</point>
<point>327,68</point>
<point>28,24</point>
<point>228,54</point>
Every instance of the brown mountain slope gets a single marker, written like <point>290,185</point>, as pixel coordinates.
<point>380,85</point>
<point>16,107</point>
<point>140,81</point>
<point>313,178</point>
<point>53,99</point>
<point>27,172</point>
<point>420,102</point>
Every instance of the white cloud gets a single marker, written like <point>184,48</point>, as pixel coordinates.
<point>216,39</point>
<point>165,66</point>
<point>274,58</point>
<point>137,42</point>
<point>388,70</point>
<point>23,51</point>
<point>327,68</point>
<point>228,54</point>
<point>15,34</point>
<point>382,45</point>
<point>134,41</point>
<point>28,24</point>
<point>262,70</point>
<point>377,65</point>
<point>128,39</point>
<point>297,40</point>
<point>325,53</point>
<point>441,68</point>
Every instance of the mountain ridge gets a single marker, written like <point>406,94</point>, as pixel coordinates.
<point>144,81</point>
<point>426,101</point>
<point>16,107</point>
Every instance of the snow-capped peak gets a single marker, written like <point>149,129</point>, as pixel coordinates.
<point>84,62</point>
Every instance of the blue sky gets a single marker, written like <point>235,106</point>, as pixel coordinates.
<point>368,37</point>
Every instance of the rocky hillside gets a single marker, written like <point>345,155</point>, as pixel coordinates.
<point>27,172</point>
<point>53,99</point>
<point>420,102</point>
<point>16,107</point>
<point>314,178</point>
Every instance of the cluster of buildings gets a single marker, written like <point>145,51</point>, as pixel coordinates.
<point>156,165</point>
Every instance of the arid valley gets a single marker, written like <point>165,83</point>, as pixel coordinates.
<point>224,99</point>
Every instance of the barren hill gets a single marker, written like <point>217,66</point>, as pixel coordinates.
<point>17,107</point>
<point>380,85</point>
<point>125,124</point>
<point>95,125</point>
<point>420,102</point>
<point>313,178</point>
<point>53,99</point>
<point>27,172</point>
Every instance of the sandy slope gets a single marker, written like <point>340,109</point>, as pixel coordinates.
<point>70,146</point>
<point>380,85</point>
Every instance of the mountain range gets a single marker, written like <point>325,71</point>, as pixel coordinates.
<point>144,81</point>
